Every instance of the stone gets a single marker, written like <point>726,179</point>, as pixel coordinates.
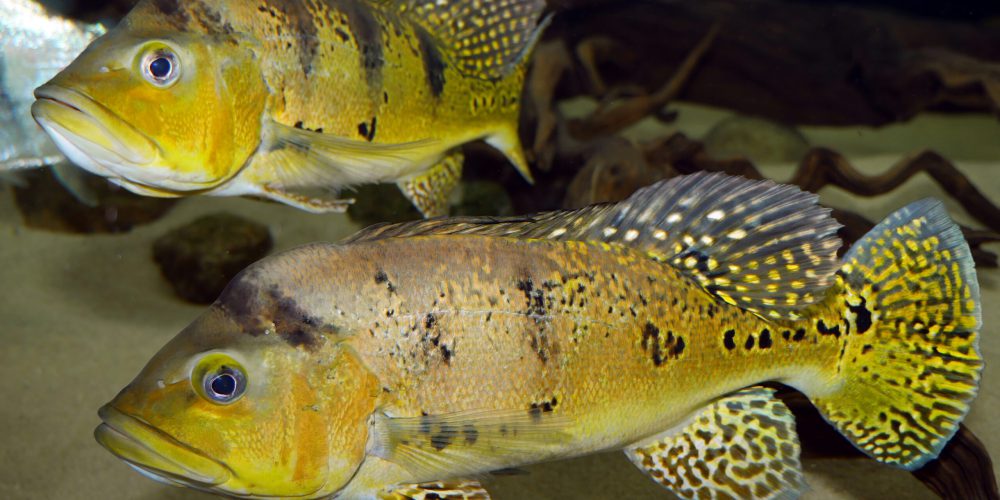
<point>45,204</point>
<point>200,258</point>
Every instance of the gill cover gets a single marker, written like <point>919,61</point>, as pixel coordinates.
<point>165,103</point>
<point>237,412</point>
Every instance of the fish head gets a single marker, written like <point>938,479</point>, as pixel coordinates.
<point>163,104</point>
<point>245,413</point>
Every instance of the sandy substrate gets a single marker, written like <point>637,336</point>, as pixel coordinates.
<point>80,315</point>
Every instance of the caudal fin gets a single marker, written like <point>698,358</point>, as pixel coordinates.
<point>911,368</point>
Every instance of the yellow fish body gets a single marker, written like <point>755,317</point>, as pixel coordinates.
<point>272,98</point>
<point>411,358</point>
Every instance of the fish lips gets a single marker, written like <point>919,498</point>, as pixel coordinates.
<point>155,453</point>
<point>100,141</point>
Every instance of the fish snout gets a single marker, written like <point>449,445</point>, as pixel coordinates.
<point>153,452</point>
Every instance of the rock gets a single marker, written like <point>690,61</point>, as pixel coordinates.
<point>756,139</point>
<point>45,204</point>
<point>199,259</point>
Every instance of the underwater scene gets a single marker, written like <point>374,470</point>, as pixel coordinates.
<point>508,249</point>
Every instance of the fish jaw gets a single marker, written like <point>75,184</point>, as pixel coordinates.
<point>103,143</point>
<point>155,453</point>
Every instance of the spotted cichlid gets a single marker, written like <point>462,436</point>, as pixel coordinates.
<point>278,97</point>
<point>411,358</point>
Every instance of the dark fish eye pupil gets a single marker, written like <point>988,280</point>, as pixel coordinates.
<point>160,67</point>
<point>224,385</point>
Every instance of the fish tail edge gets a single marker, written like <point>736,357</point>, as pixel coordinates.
<point>910,367</point>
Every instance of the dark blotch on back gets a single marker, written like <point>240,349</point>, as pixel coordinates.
<point>255,312</point>
<point>367,32</point>
<point>433,63</point>
<point>302,23</point>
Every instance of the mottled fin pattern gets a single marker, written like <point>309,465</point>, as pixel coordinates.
<point>442,490</point>
<point>429,190</point>
<point>909,372</point>
<point>764,247</point>
<point>742,446</point>
<point>466,443</point>
<point>486,38</point>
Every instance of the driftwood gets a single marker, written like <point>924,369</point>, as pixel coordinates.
<point>765,60</point>
<point>963,471</point>
<point>868,66</point>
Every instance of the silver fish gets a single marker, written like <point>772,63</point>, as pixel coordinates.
<point>34,46</point>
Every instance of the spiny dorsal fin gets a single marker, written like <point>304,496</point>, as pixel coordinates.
<point>485,38</point>
<point>765,247</point>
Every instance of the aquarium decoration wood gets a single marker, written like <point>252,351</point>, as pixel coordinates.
<point>870,67</point>
<point>761,58</point>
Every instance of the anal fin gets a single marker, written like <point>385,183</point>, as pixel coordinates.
<point>429,190</point>
<point>741,446</point>
<point>445,490</point>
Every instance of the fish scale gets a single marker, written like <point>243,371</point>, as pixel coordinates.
<point>449,348</point>
<point>278,98</point>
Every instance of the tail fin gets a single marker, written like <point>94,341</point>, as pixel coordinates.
<point>911,368</point>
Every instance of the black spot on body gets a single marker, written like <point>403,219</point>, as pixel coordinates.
<point>442,439</point>
<point>729,339</point>
<point>824,330</point>
<point>433,62</point>
<point>380,277</point>
<point>430,321</point>
<point>749,343</point>
<point>471,434</point>
<point>799,334</point>
<point>863,317</point>
<point>765,339</point>
<point>446,354</point>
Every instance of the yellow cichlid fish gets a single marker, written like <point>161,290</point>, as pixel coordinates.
<point>275,97</point>
<point>412,358</point>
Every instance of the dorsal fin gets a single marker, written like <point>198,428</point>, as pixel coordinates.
<point>765,247</point>
<point>485,38</point>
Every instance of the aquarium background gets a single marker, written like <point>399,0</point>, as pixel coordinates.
<point>80,314</point>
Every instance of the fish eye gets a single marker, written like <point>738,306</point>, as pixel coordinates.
<point>221,379</point>
<point>226,385</point>
<point>160,67</point>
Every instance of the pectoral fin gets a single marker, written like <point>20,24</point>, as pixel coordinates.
<point>429,190</point>
<point>467,443</point>
<point>444,490</point>
<point>742,446</point>
<point>294,157</point>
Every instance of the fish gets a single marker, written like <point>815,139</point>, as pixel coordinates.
<point>410,359</point>
<point>34,46</point>
<point>282,98</point>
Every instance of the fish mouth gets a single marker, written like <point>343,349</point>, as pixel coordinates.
<point>98,140</point>
<point>156,454</point>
